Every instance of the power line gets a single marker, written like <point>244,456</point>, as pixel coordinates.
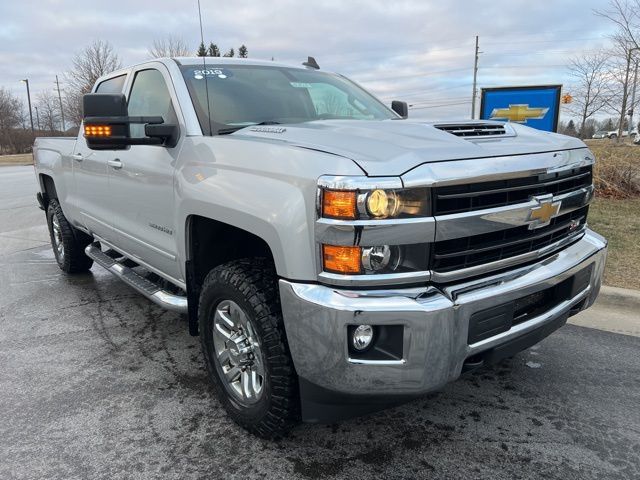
<point>438,106</point>
<point>429,89</point>
<point>413,75</point>
<point>525,66</point>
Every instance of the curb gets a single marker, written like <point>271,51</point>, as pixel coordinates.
<point>622,297</point>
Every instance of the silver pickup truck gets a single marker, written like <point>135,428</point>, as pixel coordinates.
<point>333,256</point>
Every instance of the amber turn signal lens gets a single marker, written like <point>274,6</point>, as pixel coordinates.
<point>341,259</point>
<point>97,130</point>
<point>339,204</point>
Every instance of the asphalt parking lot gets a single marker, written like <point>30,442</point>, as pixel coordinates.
<point>97,382</point>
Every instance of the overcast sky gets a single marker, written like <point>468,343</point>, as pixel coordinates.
<point>415,50</point>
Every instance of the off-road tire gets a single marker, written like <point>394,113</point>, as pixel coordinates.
<point>252,284</point>
<point>73,260</point>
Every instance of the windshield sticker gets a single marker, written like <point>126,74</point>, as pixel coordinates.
<point>300,85</point>
<point>220,73</point>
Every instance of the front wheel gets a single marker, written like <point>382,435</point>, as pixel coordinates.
<point>245,347</point>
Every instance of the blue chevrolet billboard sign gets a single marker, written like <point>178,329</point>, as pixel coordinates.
<point>537,106</point>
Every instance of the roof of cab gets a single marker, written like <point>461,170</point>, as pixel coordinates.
<point>231,61</point>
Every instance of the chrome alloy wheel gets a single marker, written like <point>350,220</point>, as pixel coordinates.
<point>238,350</point>
<point>58,244</point>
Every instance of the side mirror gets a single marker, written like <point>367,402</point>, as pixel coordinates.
<point>401,108</point>
<point>106,124</point>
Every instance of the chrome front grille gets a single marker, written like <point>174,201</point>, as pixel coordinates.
<point>452,199</point>
<point>477,250</point>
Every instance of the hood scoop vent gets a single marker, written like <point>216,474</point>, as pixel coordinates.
<point>476,130</point>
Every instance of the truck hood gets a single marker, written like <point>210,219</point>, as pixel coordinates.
<point>393,147</point>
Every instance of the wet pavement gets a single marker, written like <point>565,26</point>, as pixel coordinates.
<point>97,382</point>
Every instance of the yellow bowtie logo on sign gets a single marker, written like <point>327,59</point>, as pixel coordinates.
<point>518,113</point>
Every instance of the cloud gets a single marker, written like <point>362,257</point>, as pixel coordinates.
<point>414,50</point>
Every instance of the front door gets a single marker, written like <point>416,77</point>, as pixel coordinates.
<point>92,196</point>
<point>141,179</point>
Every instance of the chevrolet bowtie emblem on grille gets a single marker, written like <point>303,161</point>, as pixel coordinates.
<point>541,215</point>
<point>518,113</point>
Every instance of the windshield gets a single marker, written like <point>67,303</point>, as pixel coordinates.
<point>230,97</point>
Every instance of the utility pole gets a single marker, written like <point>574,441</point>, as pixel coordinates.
<point>633,98</point>
<point>475,81</point>
<point>26,80</point>
<point>37,118</point>
<point>64,129</point>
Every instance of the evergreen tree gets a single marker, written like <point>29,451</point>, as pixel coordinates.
<point>608,125</point>
<point>214,51</point>
<point>202,50</point>
<point>230,53</point>
<point>243,52</point>
<point>571,129</point>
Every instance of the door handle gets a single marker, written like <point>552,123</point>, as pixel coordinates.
<point>116,163</point>
<point>77,157</point>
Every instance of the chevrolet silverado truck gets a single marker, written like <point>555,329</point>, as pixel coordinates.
<point>333,256</point>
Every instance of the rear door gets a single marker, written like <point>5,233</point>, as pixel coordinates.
<point>142,177</point>
<point>91,175</point>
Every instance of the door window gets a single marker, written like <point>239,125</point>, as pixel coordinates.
<point>150,97</point>
<point>113,85</point>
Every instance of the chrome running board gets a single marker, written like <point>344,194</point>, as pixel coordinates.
<point>152,291</point>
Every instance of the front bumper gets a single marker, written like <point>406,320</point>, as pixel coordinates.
<point>435,323</point>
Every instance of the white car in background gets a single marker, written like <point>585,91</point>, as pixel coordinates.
<point>614,134</point>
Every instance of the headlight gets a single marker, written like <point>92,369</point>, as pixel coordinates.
<point>375,204</point>
<point>382,203</point>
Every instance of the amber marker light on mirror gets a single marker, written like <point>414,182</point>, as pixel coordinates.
<point>97,130</point>
<point>339,259</point>
<point>339,204</point>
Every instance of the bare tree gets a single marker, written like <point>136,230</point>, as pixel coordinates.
<point>618,86</point>
<point>625,14</point>
<point>170,46</point>
<point>91,63</point>
<point>590,86</point>
<point>9,120</point>
<point>49,111</point>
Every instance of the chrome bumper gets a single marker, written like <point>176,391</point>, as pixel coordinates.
<point>435,321</point>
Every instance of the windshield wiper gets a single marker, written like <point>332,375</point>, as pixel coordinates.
<point>226,131</point>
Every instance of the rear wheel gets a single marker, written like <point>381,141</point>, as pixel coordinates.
<point>245,347</point>
<point>68,243</point>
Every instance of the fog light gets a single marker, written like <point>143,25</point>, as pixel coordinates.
<point>376,258</point>
<point>362,337</point>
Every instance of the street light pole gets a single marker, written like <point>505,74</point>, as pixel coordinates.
<point>623,113</point>
<point>633,98</point>
<point>26,80</point>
